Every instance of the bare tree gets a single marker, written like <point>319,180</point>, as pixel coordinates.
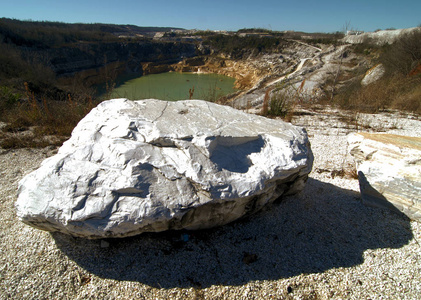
<point>346,27</point>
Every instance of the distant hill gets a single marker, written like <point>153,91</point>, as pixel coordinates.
<point>56,34</point>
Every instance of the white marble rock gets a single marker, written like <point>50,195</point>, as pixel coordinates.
<point>149,166</point>
<point>373,75</point>
<point>389,171</point>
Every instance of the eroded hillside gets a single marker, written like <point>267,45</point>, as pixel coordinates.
<point>50,72</point>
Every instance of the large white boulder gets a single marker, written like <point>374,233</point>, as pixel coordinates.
<point>389,171</point>
<point>151,165</point>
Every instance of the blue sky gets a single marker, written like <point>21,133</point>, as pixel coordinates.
<point>304,15</point>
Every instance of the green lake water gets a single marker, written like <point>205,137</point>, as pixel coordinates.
<point>176,86</point>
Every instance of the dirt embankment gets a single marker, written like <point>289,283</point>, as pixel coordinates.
<point>250,70</point>
<point>246,72</point>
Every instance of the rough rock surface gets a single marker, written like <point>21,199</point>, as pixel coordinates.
<point>389,171</point>
<point>373,75</point>
<point>149,166</point>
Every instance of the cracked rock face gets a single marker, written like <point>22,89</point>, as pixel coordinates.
<point>389,171</point>
<point>151,165</point>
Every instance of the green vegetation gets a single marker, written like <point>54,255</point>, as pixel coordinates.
<point>325,39</point>
<point>258,40</point>
<point>280,105</point>
<point>239,46</point>
<point>281,101</point>
<point>255,30</point>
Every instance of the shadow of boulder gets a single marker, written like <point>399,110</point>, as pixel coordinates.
<point>322,227</point>
<point>235,158</point>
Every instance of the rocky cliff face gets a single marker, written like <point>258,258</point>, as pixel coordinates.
<point>90,59</point>
<point>297,64</point>
<point>251,68</point>
<point>95,63</point>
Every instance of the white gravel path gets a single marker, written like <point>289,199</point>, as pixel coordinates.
<point>320,244</point>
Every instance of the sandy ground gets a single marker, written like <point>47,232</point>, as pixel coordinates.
<point>319,244</point>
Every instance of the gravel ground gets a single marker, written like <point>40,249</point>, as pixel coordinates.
<point>319,244</point>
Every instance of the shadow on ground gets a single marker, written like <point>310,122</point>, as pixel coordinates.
<point>321,228</point>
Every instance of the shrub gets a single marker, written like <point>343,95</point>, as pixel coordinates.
<point>237,46</point>
<point>280,104</point>
<point>281,100</point>
<point>8,98</point>
<point>404,55</point>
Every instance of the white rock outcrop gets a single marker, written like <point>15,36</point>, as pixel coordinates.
<point>373,75</point>
<point>380,37</point>
<point>389,171</point>
<point>151,165</point>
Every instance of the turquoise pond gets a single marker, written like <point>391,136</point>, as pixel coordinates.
<point>176,86</point>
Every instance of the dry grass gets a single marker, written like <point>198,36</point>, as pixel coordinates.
<point>244,82</point>
<point>31,122</point>
<point>395,92</point>
<point>280,105</point>
<point>400,87</point>
<point>350,173</point>
<point>409,100</point>
<point>266,100</point>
